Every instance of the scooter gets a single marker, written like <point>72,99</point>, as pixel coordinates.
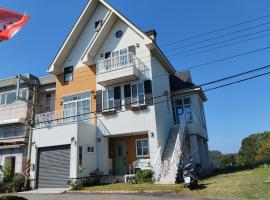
<point>190,176</point>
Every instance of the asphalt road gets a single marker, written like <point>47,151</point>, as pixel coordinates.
<point>105,197</point>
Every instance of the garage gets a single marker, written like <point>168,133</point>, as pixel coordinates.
<point>53,167</point>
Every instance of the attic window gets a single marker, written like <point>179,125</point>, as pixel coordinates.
<point>119,34</point>
<point>98,25</point>
<point>68,74</point>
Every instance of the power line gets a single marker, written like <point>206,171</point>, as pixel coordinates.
<point>227,58</point>
<point>168,94</point>
<point>217,30</point>
<point>235,82</point>
<point>216,43</point>
<point>226,45</point>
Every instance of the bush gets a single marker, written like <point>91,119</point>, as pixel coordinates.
<point>11,182</point>
<point>18,182</point>
<point>142,176</point>
<point>75,185</point>
<point>12,198</point>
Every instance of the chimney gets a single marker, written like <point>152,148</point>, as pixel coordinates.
<point>152,34</point>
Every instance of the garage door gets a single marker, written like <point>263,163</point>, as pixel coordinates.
<point>53,167</point>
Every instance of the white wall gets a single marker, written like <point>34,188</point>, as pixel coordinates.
<point>86,38</point>
<point>87,137</point>
<point>17,153</point>
<point>163,107</point>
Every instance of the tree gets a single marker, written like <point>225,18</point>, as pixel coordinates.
<point>250,146</point>
<point>228,160</point>
<point>263,154</point>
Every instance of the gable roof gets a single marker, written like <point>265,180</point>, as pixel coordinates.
<point>181,83</point>
<point>81,24</point>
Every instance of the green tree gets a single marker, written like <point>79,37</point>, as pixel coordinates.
<point>250,146</point>
<point>263,154</point>
<point>228,160</point>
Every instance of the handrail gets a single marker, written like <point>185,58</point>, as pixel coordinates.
<point>157,165</point>
<point>62,116</point>
<point>104,130</point>
<point>116,62</point>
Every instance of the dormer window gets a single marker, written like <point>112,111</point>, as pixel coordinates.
<point>98,25</point>
<point>68,74</point>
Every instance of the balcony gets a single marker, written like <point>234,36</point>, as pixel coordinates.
<point>66,116</point>
<point>119,69</point>
<point>13,113</point>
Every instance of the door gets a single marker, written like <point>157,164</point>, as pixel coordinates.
<point>10,164</point>
<point>121,162</point>
<point>53,167</point>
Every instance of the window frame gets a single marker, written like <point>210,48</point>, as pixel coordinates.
<point>107,100</point>
<point>68,71</point>
<point>92,147</point>
<point>12,91</point>
<point>136,144</point>
<point>137,102</point>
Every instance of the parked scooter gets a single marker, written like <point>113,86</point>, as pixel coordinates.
<point>190,176</point>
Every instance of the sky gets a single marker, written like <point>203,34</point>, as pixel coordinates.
<point>232,113</point>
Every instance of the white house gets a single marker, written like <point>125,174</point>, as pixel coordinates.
<point>119,106</point>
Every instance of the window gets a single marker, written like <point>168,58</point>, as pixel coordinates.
<point>108,99</point>
<point>183,107</point>
<point>119,34</point>
<point>90,149</point>
<point>98,25</point>
<point>10,164</point>
<point>68,74</point>
<point>80,157</point>
<point>77,107</point>
<point>48,103</point>
<point>137,94</point>
<point>142,147</point>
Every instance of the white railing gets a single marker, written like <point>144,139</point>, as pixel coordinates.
<point>178,147</point>
<point>117,62</point>
<point>158,165</point>
<point>102,128</point>
<point>55,118</point>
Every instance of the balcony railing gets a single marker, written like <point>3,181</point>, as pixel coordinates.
<point>55,118</point>
<point>118,62</point>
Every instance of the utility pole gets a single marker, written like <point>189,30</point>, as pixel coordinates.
<point>32,83</point>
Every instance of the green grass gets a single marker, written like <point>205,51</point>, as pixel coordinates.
<point>247,184</point>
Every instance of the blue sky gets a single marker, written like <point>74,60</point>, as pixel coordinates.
<point>232,112</point>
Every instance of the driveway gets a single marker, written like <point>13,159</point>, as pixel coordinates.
<point>105,196</point>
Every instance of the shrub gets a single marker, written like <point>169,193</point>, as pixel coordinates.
<point>18,182</point>
<point>11,182</point>
<point>142,176</point>
<point>12,198</point>
<point>75,185</point>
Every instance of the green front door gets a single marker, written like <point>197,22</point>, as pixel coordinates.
<point>121,162</point>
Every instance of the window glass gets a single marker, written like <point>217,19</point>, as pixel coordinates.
<point>111,98</point>
<point>23,94</point>
<point>68,74</point>
<point>3,98</point>
<point>142,147</point>
<point>141,93</point>
<point>11,98</point>
<point>105,100</point>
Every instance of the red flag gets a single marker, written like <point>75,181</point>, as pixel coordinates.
<point>10,23</point>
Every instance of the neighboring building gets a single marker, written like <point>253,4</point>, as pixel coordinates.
<point>113,110</point>
<point>15,118</point>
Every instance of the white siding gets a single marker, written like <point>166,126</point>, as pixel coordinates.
<point>87,36</point>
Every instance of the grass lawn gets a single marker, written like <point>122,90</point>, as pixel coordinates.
<point>247,184</point>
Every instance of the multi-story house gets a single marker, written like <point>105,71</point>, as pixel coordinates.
<point>119,106</point>
<point>16,109</point>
